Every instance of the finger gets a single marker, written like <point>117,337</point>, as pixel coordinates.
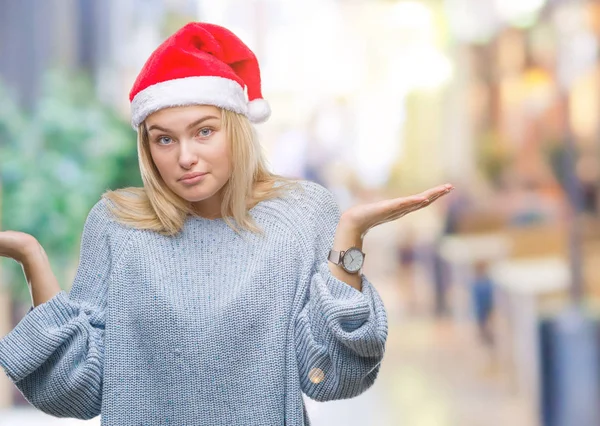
<point>406,209</point>
<point>415,203</point>
<point>401,206</point>
<point>397,208</point>
<point>407,202</point>
<point>431,194</point>
<point>434,197</point>
<point>437,189</point>
<point>422,200</point>
<point>416,207</point>
<point>437,192</point>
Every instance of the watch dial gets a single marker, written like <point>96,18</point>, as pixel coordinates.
<point>353,260</point>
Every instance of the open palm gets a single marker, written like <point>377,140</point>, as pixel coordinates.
<point>363,217</point>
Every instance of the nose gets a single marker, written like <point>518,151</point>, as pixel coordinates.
<point>188,156</point>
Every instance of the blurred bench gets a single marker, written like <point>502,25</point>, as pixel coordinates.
<point>523,286</point>
<point>530,269</point>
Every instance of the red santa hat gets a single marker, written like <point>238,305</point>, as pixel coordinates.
<point>201,64</point>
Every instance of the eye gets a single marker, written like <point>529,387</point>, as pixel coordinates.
<point>205,132</point>
<point>166,139</point>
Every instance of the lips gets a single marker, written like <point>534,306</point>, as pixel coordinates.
<point>191,175</point>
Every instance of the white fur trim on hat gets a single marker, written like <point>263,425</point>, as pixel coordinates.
<point>208,90</point>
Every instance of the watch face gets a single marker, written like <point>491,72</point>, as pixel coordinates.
<point>353,260</point>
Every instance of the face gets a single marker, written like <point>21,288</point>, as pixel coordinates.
<point>191,140</point>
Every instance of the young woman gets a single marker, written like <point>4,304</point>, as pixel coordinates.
<point>218,292</point>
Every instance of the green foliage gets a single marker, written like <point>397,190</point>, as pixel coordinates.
<point>55,162</point>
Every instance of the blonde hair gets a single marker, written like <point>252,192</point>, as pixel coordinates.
<point>157,208</point>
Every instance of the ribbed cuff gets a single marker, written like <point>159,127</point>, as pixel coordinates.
<point>338,304</point>
<point>32,340</point>
<point>356,318</point>
<point>339,289</point>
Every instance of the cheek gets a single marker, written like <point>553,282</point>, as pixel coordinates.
<point>220,159</point>
<point>162,164</point>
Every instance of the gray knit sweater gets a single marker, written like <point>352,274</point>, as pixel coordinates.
<point>203,328</point>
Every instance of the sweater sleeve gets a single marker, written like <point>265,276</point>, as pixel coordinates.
<point>55,354</point>
<point>340,332</point>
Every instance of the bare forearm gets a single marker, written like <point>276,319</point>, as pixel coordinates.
<point>42,283</point>
<point>346,237</point>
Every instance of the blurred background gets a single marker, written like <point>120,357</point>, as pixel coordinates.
<point>492,292</point>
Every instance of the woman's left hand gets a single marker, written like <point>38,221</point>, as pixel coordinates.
<point>362,217</point>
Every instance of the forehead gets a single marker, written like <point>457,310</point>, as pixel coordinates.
<point>182,115</point>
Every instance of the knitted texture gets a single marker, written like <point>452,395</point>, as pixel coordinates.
<point>203,328</point>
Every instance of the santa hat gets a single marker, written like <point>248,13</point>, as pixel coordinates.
<point>201,64</point>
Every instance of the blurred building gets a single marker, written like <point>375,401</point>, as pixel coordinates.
<point>38,35</point>
<point>108,39</point>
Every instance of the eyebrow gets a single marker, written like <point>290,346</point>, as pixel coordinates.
<point>194,124</point>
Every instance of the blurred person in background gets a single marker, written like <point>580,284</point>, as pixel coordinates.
<point>457,211</point>
<point>407,259</point>
<point>530,206</point>
<point>216,293</point>
<point>482,298</point>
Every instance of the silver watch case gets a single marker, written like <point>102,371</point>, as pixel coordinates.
<point>338,257</point>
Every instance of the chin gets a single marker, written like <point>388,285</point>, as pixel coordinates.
<point>194,198</point>
<point>196,194</point>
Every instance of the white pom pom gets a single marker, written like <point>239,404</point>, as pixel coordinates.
<point>258,110</point>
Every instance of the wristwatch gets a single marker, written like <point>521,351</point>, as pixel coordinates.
<point>350,260</point>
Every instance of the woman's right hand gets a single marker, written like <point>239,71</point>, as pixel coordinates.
<point>18,245</point>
